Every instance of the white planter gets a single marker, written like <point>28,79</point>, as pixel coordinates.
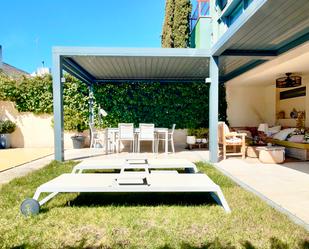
<point>198,140</point>
<point>191,140</point>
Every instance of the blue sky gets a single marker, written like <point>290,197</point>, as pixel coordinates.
<point>30,28</point>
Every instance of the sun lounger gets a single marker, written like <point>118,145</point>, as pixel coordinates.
<point>124,182</point>
<point>146,164</point>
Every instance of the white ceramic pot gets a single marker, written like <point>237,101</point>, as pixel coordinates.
<point>198,140</point>
<point>191,140</point>
<point>204,140</point>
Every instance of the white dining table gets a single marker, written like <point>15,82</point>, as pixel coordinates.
<point>114,131</point>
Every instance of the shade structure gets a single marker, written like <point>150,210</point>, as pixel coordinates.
<point>99,65</point>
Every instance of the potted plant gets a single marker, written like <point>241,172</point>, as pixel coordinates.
<point>202,135</point>
<point>6,128</point>
<point>75,121</point>
<point>191,139</point>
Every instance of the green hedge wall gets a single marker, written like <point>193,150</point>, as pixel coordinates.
<point>185,104</point>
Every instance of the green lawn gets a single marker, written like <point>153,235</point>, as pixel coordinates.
<point>143,220</point>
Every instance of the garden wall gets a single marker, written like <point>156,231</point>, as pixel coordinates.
<point>34,131</point>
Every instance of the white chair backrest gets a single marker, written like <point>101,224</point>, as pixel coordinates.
<point>173,128</point>
<point>223,129</point>
<point>126,131</point>
<point>146,131</point>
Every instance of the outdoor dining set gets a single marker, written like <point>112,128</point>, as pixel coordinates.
<point>111,138</point>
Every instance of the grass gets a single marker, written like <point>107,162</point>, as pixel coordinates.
<point>143,220</point>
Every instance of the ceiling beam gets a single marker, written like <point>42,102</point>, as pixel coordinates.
<point>164,80</point>
<point>265,54</point>
<point>76,70</point>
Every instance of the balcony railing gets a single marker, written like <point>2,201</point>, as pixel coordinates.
<point>201,10</point>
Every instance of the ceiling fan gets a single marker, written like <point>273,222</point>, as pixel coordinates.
<point>288,81</point>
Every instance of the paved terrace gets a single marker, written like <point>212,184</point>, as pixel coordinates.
<point>286,186</point>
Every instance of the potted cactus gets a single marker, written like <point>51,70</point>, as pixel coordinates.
<point>6,128</point>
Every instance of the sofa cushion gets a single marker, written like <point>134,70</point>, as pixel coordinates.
<point>296,138</point>
<point>283,134</point>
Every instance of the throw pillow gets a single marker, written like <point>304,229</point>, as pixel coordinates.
<point>296,138</point>
<point>283,134</point>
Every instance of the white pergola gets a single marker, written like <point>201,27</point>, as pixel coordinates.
<point>97,65</point>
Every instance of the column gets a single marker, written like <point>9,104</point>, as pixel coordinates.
<point>213,109</point>
<point>58,108</point>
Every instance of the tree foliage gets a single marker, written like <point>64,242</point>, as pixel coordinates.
<point>181,28</point>
<point>167,32</point>
<point>175,32</point>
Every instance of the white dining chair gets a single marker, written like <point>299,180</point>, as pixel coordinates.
<point>170,138</point>
<point>95,137</point>
<point>126,133</point>
<point>146,133</point>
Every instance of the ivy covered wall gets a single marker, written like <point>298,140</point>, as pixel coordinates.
<point>185,104</point>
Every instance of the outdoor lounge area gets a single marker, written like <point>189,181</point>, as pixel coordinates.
<point>198,141</point>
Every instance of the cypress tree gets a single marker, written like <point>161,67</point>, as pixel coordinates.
<point>167,32</point>
<point>181,29</point>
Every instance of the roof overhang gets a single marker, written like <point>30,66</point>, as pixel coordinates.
<point>101,65</point>
<point>265,30</point>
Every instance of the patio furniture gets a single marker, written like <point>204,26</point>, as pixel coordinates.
<point>146,181</point>
<point>170,139</point>
<point>118,164</point>
<point>271,154</point>
<point>98,137</point>
<point>113,134</point>
<point>231,139</point>
<point>94,136</point>
<point>146,133</point>
<point>126,133</point>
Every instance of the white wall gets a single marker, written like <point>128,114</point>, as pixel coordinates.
<point>250,105</point>
<point>33,131</point>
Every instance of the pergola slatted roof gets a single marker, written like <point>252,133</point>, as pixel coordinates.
<point>99,65</point>
<point>266,29</point>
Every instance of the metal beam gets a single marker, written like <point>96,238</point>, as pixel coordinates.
<point>77,71</point>
<point>221,45</point>
<point>213,109</point>
<point>250,53</point>
<point>132,52</point>
<point>164,80</point>
<point>293,44</point>
<point>241,70</point>
<point>58,107</point>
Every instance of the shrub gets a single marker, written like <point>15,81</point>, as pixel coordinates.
<point>7,126</point>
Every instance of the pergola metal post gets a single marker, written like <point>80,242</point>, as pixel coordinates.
<point>91,110</point>
<point>213,109</point>
<point>58,107</point>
